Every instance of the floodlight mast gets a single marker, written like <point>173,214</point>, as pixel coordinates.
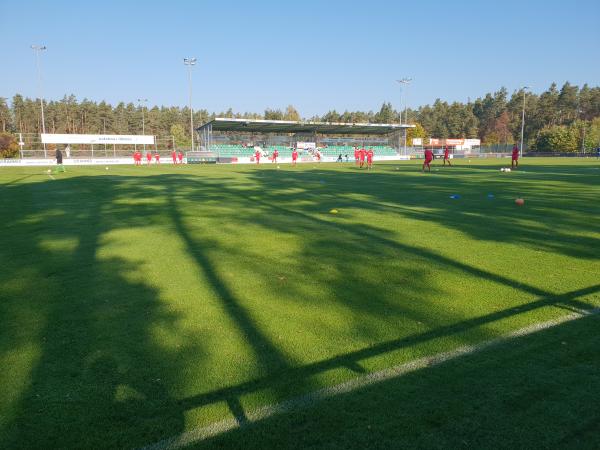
<point>403,82</point>
<point>524,89</point>
<point>580,113</point>
<point>143,102</point>
<point>37,49</point>
<point>190,62</point>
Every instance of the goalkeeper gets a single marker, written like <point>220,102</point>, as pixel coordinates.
<point>59,161</point>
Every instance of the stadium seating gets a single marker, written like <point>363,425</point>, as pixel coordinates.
<point>233,150</point>
<point>380,150</point>
<point>283,150</point>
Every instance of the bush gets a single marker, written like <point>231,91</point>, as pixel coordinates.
<point>568,138</point>
<point>557,138</point>
<point>8,146</point>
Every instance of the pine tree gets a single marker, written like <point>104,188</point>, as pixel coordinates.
<point>6,123</point>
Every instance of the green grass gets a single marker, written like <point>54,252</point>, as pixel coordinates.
<point>139,303</point>
<point>523,394</point>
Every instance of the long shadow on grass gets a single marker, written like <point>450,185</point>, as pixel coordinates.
<point>96,371</point>
<point>83,368</point>
<point>269,219</point>
<point>279,369</point>
<point>553,209</point>
<point>268,357</point>
<point>268,202</point>
<point>354,359</point>
<point>531,392</point>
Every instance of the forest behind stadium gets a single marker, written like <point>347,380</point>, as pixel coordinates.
<point>564,119</point>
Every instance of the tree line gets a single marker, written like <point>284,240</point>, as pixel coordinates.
<point>555,120</point>
<point>565,119</point>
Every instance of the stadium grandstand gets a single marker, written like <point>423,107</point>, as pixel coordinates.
<point>225,138</point>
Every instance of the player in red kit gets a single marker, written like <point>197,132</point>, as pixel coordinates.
<point>275,155</point>
<point>157,158</point>
<point>294,156</point>
<point>174,156</point>
<point>361,157</point>
<point>257,157</point>
<point>428,159</point>
<point>515,157</point>
<point>149,157</point>
<point>447,155</point>
<point>180,156</point>
<point>356,153</point>
<point>370,154</point>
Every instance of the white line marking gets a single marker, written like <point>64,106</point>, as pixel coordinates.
<point>222,426</point>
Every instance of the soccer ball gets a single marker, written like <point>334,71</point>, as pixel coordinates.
<point>334,211</point>
<point>502,169</point>
<point>49,171</point>
<point>520,202</point>
<point>507,169</point>
<point>278,167</point>
<point>106,167</point>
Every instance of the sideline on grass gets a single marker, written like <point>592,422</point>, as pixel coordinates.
<point>216,428</point>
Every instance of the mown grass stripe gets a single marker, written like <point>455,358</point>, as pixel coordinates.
<point>305,401</point>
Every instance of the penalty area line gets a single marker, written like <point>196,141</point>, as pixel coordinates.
<point>305,401</point>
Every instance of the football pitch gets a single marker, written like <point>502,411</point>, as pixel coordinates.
<point>229,307</point>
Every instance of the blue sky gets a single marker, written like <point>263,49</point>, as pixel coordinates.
<point>316,55</point>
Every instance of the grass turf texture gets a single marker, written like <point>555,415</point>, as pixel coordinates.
<point>142,302</point>
<point>521,394</point>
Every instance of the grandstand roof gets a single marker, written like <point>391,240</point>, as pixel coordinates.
<point>288,126</point>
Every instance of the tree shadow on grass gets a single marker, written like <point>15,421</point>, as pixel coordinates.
<point>281,374</point>
<point>268,357</point>
<point>553,210</point>
<point>278,219</point>
<point>356,232</point>
<point>84,367</point>
<point>535,391</point>
<point>98,369</point>
<point>355,359</point>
